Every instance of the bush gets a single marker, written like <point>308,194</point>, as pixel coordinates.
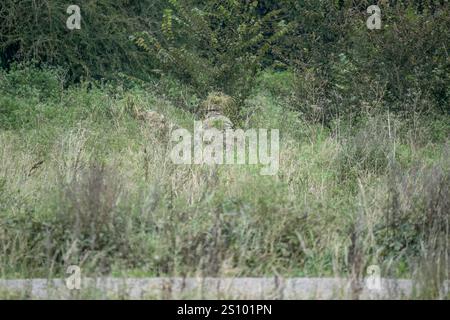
<point>36,88</point>
<point>27,81</point>
<point>37,30</point>
<point>406,57</point>
<point>215,46</point>
<point>353,67</point>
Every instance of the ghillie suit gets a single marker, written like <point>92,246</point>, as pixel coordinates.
<point>157,125</point>
<point>153,119</point>
<point>216,110</point>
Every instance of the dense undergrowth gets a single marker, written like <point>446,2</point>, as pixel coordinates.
<point>364,139</point>
<point>83,182</point>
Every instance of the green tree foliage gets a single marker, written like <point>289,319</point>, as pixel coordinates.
<point>404,67</point>
<point>215,45</point>
<point>410,54</point>
<point>340,66</point>
<point>37,30</point>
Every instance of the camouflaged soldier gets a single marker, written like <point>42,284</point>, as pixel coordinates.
<point>156,122</point>
<point>214,109</point>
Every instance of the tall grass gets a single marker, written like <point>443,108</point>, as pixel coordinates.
<point>87,183</point>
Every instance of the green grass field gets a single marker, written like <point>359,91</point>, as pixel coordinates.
<point>83,182</point>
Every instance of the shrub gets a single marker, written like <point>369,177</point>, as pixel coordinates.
<point>406,56</point>
<point>37,30</point>
<point>24,80</point>
<point>353,66</point>
<point>36,88</point>
<point>218,45</point>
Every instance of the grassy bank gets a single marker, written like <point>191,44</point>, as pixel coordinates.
<point>84,182</point>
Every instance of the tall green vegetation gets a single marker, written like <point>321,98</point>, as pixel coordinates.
<point>216,45</point>
<point>363,116</point>
<point>101,49</point>
<point>345,69</point>
<point>82,181</point>
<point>342,68</point>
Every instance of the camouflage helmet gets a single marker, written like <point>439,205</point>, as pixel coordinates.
<point>217,102</point>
